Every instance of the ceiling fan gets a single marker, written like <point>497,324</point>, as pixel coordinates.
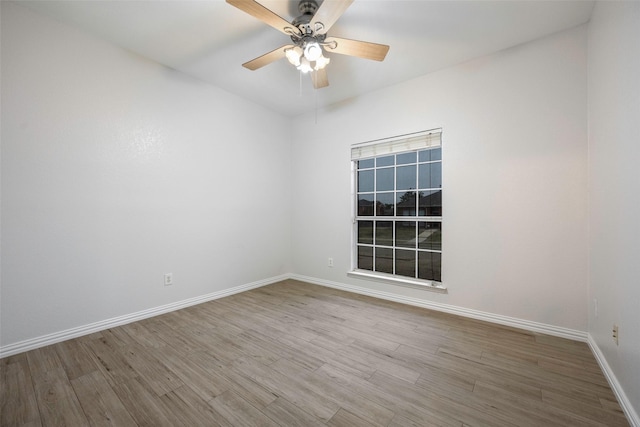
<point>308,33</point>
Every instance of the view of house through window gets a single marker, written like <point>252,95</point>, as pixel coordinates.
<point>398,218</point>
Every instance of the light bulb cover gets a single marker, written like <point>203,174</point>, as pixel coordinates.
<point>312,51</point>
<point>321,62</point>
<point>305,66</point>
<point>293,55</point>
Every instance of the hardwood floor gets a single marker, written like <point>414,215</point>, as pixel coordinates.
<point>294,354</point>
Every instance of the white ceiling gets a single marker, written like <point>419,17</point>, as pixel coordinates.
<point>211,39</point>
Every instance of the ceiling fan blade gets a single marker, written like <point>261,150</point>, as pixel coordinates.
<point>329,12</point>
<point>365,50</point>
<point>320,78</point>
<point>257,10</point>
<point>267,58</point>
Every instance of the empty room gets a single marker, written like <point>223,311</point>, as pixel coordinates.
<point>306,213</point>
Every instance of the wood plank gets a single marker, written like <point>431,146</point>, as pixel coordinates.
<point>384,396</point>
<point>75,359</point>
<point>110,360</point>
<point>159,378</point>
<point>207,383</point>
<point>287,414</point>
<point>238,412</point>
<point>380,363</point>
<point>144,406</point>
<point>57,400</point>
<point>179,339</point>
<point>327,356</point>
<point>242,385</point>
<point>43,360</point>
<point>528,410</point>
<point>400,421</point>
<point>143,336</point>
<point>293,389</point>
<point>190,409</point>
<point>99,402</point>
<point>16,358</point>
<point>593,412</point>
<point>300,358</point>
<point>344,418</point>
<point>18,405</point>
<point>363,408</point>
<point>453,404</point>
<point>432,375</point>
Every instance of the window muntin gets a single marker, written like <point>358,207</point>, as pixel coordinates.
<point>399,214</point>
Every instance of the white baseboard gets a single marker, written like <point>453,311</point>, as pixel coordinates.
<point>452,309</point>
<point>625,403</point>
<point>56,337</point>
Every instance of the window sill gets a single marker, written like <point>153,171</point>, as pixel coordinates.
<point>395,280</point>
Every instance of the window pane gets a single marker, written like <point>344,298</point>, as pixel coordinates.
<point>365,180</point>
<point>429,266</point>
<point>430,235</point>
<point>430,155</point>
<point>436,175</point>
<point>365,257</point>
<point>436,259</point>
<point>424,175</point>
<point>403,159</point>
<point>384,233</point>
<point>365,204</point>
<point>406,263</point>
<point>364,164</point>
<point>430,175</point>
<point>406,234</point>
<point>385,161</point>
<point>406,177</point>
<point>430,203</point>
<point>384,260</point>
<point>384,204</point>
<point>406,203</point>
<point>384,179</point>
<point>365,232</point>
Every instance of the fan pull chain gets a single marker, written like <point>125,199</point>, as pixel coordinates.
<point>300,85</point>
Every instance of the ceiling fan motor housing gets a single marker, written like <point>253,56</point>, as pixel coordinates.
<point>307,9</point>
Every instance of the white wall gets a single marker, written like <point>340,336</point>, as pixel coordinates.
<point>515,180</point>
<point>116,170</point>
<point>614,188</point>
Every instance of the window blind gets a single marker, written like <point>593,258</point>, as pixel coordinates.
<point>414,141</point>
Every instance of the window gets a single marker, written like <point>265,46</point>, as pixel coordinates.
<point>398,208</point>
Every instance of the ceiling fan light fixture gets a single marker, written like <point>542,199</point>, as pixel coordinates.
<point>305,65</point>
<point>321,62</point>
<point>293,55</point>
<point>312,51</point>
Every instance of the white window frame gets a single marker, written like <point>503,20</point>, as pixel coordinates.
<point>395,145</point>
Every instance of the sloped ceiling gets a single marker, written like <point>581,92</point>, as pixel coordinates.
<point>211,39</point>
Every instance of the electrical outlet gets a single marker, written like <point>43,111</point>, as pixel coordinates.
<point>615,334</point>
<point>168,279</point>
<point>330,262</point>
